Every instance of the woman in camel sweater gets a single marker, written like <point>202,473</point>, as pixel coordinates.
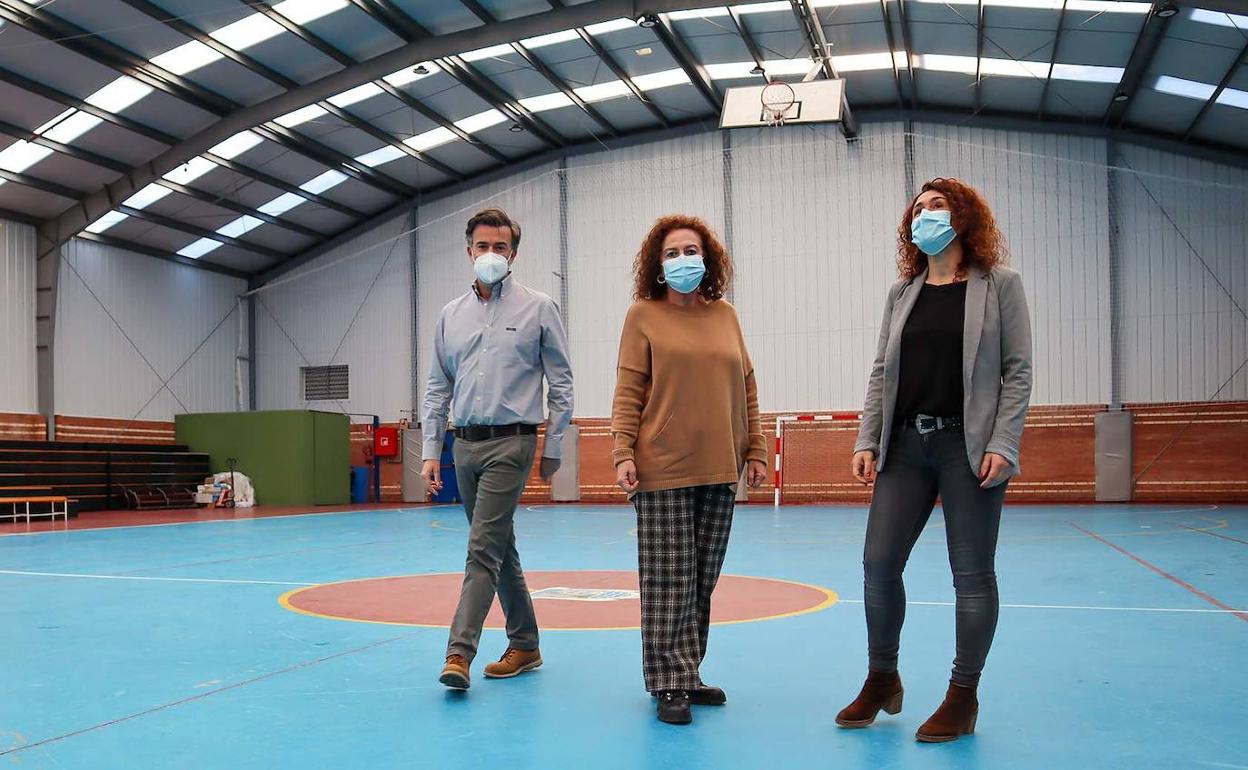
<point>685,421</point>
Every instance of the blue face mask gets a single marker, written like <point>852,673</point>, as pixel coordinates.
<point>684,274</point>
<point>932,231</point>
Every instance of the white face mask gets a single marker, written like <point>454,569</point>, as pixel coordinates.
<point>491,268</point>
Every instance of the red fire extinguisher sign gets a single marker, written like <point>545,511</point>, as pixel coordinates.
<point>386,442</point>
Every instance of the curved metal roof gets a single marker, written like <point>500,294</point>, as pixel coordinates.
<point>240,133</point>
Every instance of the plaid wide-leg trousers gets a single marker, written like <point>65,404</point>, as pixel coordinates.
<point>682,535</point>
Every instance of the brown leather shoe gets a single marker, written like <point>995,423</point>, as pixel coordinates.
<point>513,663</point>
<point>882,690</point>
<point>955,717</point>
<point>455,672</point>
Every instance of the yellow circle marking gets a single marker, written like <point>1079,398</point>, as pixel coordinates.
<point>830,597</point>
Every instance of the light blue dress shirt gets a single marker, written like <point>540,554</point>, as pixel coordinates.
<point>489,358</point>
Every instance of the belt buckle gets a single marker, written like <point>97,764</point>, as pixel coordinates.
<point>926,424</point>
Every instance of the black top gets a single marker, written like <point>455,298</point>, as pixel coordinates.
<point>930,377</point>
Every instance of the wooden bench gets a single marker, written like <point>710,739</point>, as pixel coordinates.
<point>27,500</point>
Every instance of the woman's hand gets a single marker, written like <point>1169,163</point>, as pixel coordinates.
<point>992,470</point>
<point>863,467</point>
<point>757,473</point>
<point>626,476</point>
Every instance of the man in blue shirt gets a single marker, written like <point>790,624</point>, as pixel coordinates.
<point>492,348</point>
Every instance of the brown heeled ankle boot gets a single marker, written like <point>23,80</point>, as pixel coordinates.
<point>955,717</point>
<point>882,690</point>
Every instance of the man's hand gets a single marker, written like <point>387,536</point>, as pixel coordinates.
<point>548,468</point>
<point>431,471</point>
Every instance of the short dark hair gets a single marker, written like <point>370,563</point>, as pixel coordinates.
<point>493,218</point>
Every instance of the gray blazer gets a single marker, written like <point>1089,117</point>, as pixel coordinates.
<point>996,367</point>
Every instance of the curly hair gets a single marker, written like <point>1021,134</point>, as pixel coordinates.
<point>982,244</point>
<point>648,264</point>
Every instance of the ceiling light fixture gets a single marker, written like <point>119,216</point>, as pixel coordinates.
<point>648,20</point>
<point>1121,96</point>
<point>515,128</point>
<point>1166,11</point>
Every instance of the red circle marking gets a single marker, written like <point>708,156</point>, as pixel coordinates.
<point>429,600</point>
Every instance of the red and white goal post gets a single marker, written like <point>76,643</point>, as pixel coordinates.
<point>788,418</point>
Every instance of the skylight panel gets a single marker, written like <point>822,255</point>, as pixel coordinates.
<point>430,139</point>
<point>304,11</point>
<point>1188,88</point>
<point>105,222</point>
<point>71,127</point>
<point>236,145</point>
<point>119,94</point>
<point>240,227</point>
<point>615,25</point>
<point>320,184</point>
<point>301,115</point>
<point>21,155</point>
<point>602,91</point>
<point>492,52</point>
<point>247,31</point>
<point>187,57</point>
<point>199,248</point>
<point>281,204</point>
<point>357,94</point>
<point>481,121</point>
<point>191,170</point>
<point>663,79</point>
<point>553,38</point>
<point>380,155</point>
<point>147,196</point>
<point>546,102</point>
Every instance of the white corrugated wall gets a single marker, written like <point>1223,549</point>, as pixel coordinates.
<point>1183,278</point>
<point>126,323</point>
<point>355,313</point>
<point>18,382</point>
<point>813,220</point>
<point>813,232</point>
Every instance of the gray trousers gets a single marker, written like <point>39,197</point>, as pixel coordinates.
<point>919,468</point>
<point>491,477</point>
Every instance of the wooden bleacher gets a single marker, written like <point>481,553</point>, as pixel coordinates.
<point>101,476</point>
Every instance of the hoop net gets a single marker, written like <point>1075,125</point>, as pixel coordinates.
<point>777,98</point>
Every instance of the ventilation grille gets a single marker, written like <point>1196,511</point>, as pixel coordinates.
<point>326,383</point>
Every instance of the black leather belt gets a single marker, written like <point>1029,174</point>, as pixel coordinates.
<point>487,432</point>
<point>925,423</point>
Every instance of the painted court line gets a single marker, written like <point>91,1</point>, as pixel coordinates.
<point>1101,608</point>
<point>1215,534</point>
<point>202,695</point>
<point>1241,614</point>
<point>1224,609</point>
<point>148,577</point>
<point>221,521</point>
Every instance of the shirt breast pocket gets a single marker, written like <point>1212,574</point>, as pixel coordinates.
<point>521,343</point>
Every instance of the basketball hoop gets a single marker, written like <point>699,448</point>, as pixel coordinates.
<point>778,98</point>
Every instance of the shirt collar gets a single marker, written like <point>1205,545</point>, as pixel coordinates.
<point>498,291</point>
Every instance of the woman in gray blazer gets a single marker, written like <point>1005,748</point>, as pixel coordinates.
<point>944,413</point>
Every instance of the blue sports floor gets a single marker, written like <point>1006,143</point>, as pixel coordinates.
<point>166,647</point>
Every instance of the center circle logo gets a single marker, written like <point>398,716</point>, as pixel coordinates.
<point>567,601</point>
